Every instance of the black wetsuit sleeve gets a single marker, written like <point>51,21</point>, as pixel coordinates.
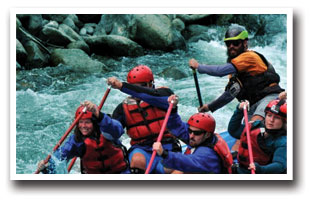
<point>224,99</point>
<point>149,91</point>
<point>119,115</point>
<point>155,97</point>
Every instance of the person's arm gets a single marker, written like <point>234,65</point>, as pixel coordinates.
<point>178,128</point>
<point>279,159</point>
<point>111,129</point>
<point>70,149</point>
<point>235,127</point>
<point>224,99</point>
<point>119,115</point>
<point>156,97</point>
<point>204,160</point>
<point>217,70</point>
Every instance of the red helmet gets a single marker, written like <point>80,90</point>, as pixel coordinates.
<point>202,121</point>
<point>87,115</point>
<point>278,107</point>
<point>140,74</point>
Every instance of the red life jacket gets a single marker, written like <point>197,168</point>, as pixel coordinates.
<point>103,157</point>
<point>143,121</point>
<point>259,155</point>
<point>222,149</point>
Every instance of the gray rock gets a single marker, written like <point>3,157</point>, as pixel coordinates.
<point>55,36</point>
<point>36,58</point>
<point>113,45</point>
<point>173,72</point>
<point>83,31</point>
<point>70,32</point>
<point>178,24</point>
<point>76,58</point>
<point>21,54</point>
<point>122,25</point>
<point>69,22</point>
<point>157,32</point>
<point>52,24</point>
<point>35,24</point>
<point>189,19</point>
<point>79,45</point>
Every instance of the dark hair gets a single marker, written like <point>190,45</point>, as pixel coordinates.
<point>79,137</point>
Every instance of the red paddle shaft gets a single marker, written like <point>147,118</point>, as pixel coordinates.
<point>245,112</point>
<point>161,133</point>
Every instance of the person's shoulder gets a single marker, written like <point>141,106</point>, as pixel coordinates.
<point>164,89</point>
<point>281,141</point>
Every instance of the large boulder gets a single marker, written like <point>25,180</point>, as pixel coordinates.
<point>51,33</point>
<point>21,53</point>
<point>79,45</point>
<point>69,32</point>
<point>36,58</point>
<point>194,18</point>
<point>122,25</point>
<point>174,73</point>
<point>157,32</point>
<point>76,58</point>
<point>113,45</point>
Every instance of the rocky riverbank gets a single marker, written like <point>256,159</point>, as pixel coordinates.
<point>88,42</point>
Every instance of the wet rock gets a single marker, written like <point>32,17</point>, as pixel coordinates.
<point>173,72</point>
<point>190,19</point>
<point>36,58</point>
<point>76,58</point>
<point>113,45</point>
<point>157,32</point>
<point>70,22</point>
<point>79,45</point>
<point>21,54</point>
<point>35,24</point>
<point>54,35</point>
<point>70,32</point>
<point>121,25</point>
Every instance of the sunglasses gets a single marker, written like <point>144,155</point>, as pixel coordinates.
<point>233,42</point>
<point>195,132</point>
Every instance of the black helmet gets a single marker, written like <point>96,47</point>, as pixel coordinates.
<point>236,32</point>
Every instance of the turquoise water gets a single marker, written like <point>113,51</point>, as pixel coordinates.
<point>46,108</point>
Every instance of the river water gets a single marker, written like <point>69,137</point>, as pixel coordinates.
<point>46,99</point>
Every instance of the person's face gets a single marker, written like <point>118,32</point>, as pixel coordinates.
<point>235,47</point>
<point>273,121</point>
<point>86,126</point>
<point>196,136</point>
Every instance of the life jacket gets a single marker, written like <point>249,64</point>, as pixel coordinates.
<point>143,122</point>
<point>260,155</point>
<point>246,86</point>
<point>103,157</point>
<point>222,149</point>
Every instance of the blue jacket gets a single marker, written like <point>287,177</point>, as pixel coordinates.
<point>111,129</point>
<point>276,145</point>
<point>203,160</point>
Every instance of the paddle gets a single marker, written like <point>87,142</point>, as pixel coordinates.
<point>161,133</point>
<point>99,107</point>
<point>197,87</point>
<point>245,112</point>
<point>63,137</point>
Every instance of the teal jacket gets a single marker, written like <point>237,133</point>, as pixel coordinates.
<point>275,144</point>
